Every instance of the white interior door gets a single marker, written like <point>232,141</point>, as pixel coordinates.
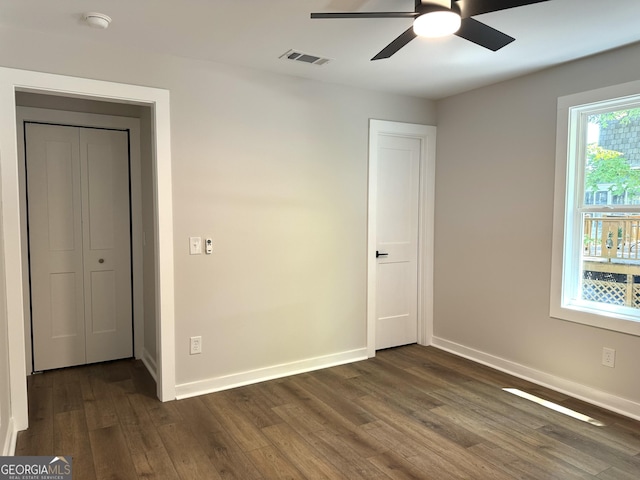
<point>55,250</point>
<point>397,223</point>
<point>104,162</point>
<point>79,244</point>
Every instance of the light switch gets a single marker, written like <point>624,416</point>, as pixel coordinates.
<point>195,245</point>
<point>208,245</point>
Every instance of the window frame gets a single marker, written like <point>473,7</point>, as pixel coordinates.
<point>568,206</point>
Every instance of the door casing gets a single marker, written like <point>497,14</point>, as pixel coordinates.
<point>12,80</point>
<point>427,135</point>
<point>76,119</point>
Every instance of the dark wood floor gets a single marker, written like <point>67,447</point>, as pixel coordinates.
<point>410,413</point>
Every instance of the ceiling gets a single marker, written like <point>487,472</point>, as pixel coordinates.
<point>255,33</point>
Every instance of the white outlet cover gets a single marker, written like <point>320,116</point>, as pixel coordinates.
<point>195,345</point>
<point>608,357</point>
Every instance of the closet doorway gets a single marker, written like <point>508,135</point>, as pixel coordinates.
<point>85,212</point>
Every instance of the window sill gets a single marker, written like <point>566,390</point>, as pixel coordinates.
<point>615,320</point>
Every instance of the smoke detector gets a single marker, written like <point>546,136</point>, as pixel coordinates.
<point>97,20</point>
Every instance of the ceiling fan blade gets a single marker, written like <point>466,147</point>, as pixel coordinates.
<point>469,8</point>
<point>483,35</point>
<point>365,15</point>
<point>396,45</point>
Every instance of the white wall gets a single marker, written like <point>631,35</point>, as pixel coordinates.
<point>494,204</point>
<point>275,170</point>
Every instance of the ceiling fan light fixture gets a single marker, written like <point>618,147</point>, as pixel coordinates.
<point>438,23</point>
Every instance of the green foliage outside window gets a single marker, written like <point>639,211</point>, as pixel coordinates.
<point>609,167</point>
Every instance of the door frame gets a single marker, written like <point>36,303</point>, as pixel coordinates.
<point>12,80</point>
<point>90,120</point>
<point>426,213</point>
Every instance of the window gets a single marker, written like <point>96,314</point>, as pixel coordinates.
<point>596,245</point>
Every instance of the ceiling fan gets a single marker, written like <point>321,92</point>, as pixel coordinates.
<point>433,18</point>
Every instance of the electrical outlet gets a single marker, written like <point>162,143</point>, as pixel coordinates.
<point>608,357</point>
<point>196,345</point>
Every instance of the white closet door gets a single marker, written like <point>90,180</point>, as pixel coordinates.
<point>104,161</point>
<point>79,241</point>
<point>55,246</point>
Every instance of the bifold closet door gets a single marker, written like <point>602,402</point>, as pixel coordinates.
<point>79,244</point>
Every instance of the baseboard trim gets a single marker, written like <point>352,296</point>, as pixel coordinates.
<point>150,363</point>
<point>226,382</point>
<point>9,440</point>
<point>591,395</point>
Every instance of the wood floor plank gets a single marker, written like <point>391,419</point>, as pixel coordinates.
<point>253,405</point>
<point>67,396</point>
<point>509,463</point>
<point>229,460</point>
<point>447,429</point>
<point>401,392</point>
<point>148,453</point>
<point>503,400</point>
<point>301,419</point>
<point>140,432</point>
<point>38,440</point>
<point>474,396</point>
<point>604,452</point>
<point>307,421</point>
<point>614,474</point>
<point>394,439</point>
<point>278,392</point>
<point>154,465</point>
<point>98,405</point>
<point>606,417</point>
<point>189,459</point>
<point>610,436</point>
<point>346,408</point>
<point>111,456</point>
<point>311,463</point>
<point>273,465</point>
<point>388,363</point>
<point>319,412</point>
<point>71,438</point>
<point>345,452</point>
<point>442,469</point>
<point>242,429</point>
<point>345,371</point>
<point>429,441</point>
<point>493,421</point>
<point>335,382</point>
<point>519,442</point>
<point>463,367</point>
<point>398,467</point>
<point>161,413</point>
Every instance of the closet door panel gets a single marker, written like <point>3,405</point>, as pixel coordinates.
<point>104,162</point>
<point>55,245</point>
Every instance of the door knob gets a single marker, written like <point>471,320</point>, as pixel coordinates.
<point>380,254</point>
<point>101,260</point>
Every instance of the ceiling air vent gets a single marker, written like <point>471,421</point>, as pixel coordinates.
<point>304,57</point>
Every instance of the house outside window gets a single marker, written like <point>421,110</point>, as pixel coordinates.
<point>596,250</point>
<point>602,197</point>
